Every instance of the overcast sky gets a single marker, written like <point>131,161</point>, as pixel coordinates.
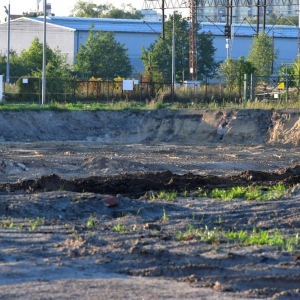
<point>63,7</point>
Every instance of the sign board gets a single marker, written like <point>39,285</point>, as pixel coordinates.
<point>276,96</point>
<point>281,86</point>
<point>136,81</point>
<point>1,88</point>
<point>127,85</point>
<point>192,84</point>
<point>25,80</point>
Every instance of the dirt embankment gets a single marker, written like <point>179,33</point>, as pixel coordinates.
<point>249,127</point>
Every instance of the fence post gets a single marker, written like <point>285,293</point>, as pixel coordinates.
<point>39,91</point>
<point>246,87</point>
<point>287,87</point>
<point>251,88</point>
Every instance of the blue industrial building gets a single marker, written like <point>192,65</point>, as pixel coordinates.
<point>68,33</point>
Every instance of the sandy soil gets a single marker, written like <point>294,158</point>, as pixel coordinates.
<point>60,241</point>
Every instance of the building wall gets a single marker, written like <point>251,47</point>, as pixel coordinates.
<point>240,46</point>
<point>24,31</point>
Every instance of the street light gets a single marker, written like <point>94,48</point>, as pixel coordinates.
<point>44,59</point>
<point>173,56</point>
<point>8,42</point>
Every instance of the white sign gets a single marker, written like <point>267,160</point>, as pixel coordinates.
<point>136,81</point>
<point>25,80</point>
<point>1,88</point>
<point>127,85</point>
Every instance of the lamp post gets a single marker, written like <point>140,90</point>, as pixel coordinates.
<point>44,59</point>
<point>173,56</point>
<point>7,10</point>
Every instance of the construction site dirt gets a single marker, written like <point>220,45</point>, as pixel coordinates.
<point>82,216</point>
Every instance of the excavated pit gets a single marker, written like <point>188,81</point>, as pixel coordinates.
<point>56,233</point>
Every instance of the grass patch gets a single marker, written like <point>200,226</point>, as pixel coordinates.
<point>154,104</point>
<point>242,237</point>
<point>257,193</point>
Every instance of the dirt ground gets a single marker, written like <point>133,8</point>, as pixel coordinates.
<point>58,239</point>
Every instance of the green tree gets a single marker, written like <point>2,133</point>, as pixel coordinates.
<point>126,12</point>
<point>158,57</point>
<point>16,66</point>
<point>234,70</point>
<point>56,68</point>
<point>272,19</point>
<point>290,21</point>
<point>32,14</point>
<point>262,54</point>
<point>91,10</point>
<point>32,59</point>
<point>87,9</point>
<point>206,63</point>
<point>103,56</point>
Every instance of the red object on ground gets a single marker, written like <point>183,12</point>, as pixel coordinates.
<point>110,201</point>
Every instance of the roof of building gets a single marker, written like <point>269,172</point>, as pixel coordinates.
<point>105,24</point>
<point>129,25</point>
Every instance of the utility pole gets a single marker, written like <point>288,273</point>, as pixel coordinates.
<point>173,56</point>
<point>44,58</point>
<point>193,39</point>
<point>8,43</point>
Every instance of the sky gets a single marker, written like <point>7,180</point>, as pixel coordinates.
<point>63,7</point>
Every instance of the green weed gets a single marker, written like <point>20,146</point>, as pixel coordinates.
<point>169,196</point>
<point>165,217</point>
<point>91,223</point>
<point>184,193</point>
<point>34,223</point>
<point>201,193</point>
<point>119,228</point>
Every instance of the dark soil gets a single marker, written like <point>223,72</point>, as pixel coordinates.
<point>136,184</point>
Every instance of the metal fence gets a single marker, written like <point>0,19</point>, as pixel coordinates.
<point>270,88</point>
<point>29,89</point>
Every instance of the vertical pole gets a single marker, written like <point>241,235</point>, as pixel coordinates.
<point>298,56</point>
<point>44,58</point>
<point>257,18</point>
<point>299,29</point>
<point>287,84</point>
<point>272,65</point>
<point>264,15</point>
<point>252,88</point>
<point>8,46</point>
<point>246,87</point>
<point>173,56</point>
<point>193,39</point>
<point>163,19</point>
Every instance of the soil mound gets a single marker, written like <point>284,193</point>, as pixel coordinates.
<point>137,184</point>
